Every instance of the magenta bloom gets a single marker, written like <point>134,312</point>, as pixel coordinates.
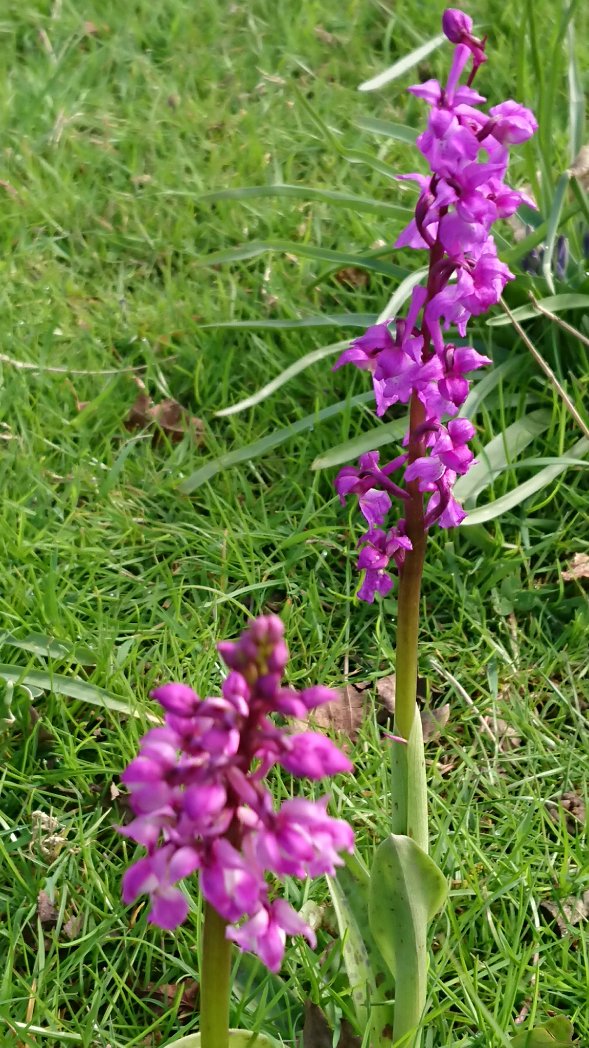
<point>410,362</point>
<point>201,803</point>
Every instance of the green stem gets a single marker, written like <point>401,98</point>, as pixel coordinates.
<point>214,982</point>
<point>410,815</point>
<point>406,758</point>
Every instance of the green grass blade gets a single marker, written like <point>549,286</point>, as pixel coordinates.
<point>41,644</point>
<point>349,450</point>
<point>528,488</point>
<point>552,230</point>
<point>352,156</point>
<point>403,65</point>
<point>295,369</point>
<point>273,440</point>
<point>484,386</point>
<point>553,303</point>
<point>339,258</point>
<point>360,320</point>
<point>74,689</point>
<point>401,294</point>
<point>400,132</point>
<point>576,97</point>
<point>327,196</point>
<point>498,453</point>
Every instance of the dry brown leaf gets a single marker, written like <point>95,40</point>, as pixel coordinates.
<point>567,913</point>
<point>325,36</point>
<point>167,417</point>
<point>317,1032</point>
<point>141,180</point>
<point>434,721</point>
<point>73,926</point>
<point>46,910</point>
<point>346,713</point>
<point>573,806</point>
<point>578,568</point>
<point>385,689</point>
<point>48,836</point>
<point>504,734</point>
<point>579,169</point>
<point>166,994</point>
<point>352,276</point>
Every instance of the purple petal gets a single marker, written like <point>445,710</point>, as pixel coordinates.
<point>169,908</point>
<point>177,698</point>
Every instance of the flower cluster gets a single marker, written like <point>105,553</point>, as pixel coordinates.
<point>200,802</point>
<point>464,194</point>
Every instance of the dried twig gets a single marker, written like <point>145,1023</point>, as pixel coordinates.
<point>25,365</point>
<point>547,370</point>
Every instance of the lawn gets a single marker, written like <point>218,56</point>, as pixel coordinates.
<point>126,273</point>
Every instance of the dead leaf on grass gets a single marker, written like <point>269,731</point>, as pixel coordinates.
<point>434,721</point>
<point>352,276</point>
<point>505,736</point>
<point>573,806</point>
<point>567,913</point>
<point>168,416</point>
<point>578,568</point>
<point>317,1032</point>
<point>73,926</point>
<point>385,689</point>
<point>46,910</point>
<point>325,36</point>
<point>579,169</point>
<point>166,993</point>
<point>345,714</point>
<point>48,836</point>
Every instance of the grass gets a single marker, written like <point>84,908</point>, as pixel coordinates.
<point>117,120</point>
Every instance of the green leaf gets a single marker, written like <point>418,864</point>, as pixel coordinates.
<point>406,890</point>
<point>552,230</point>
<point>361,320</point>
<point>41,644</point>
<point>499,452</point>
<point>403,65</point>
<point>557,1033</point>
<point>528,488</point>
<point>273,440</point>
<point>385,433</point>
<point>401,294</point>
<point>327,196</point>
<point>299,365</point>
<point>400,132</point>
<point>482,387</point>
<point>576,97</point>
<point>60,685</point>
<point>322,254</point>
<point>370,980</point>
<point>409,787</point>
<point>553,303</point>
<point>331,139</point>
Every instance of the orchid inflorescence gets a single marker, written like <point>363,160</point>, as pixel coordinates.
<point>201,803</point>
<point>467,151</point>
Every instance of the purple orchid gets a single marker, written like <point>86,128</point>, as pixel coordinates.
<point>200,801</point>
<point>410,362</point>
